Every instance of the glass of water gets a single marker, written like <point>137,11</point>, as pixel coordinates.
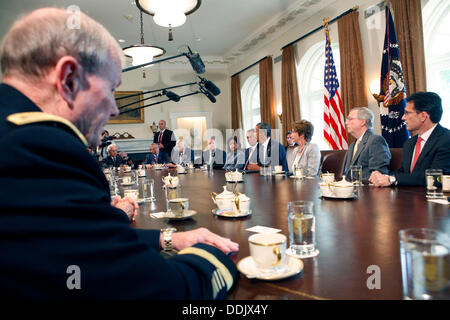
<point>356,175</point>
<point>302,229</point>
<point>147,190</point>
<point>425,262</point>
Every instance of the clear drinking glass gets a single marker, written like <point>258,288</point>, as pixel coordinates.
<point>131,190</point>
<point>434,183</point>
<point>425,262</point>
<point>147,190</point>
<point>356,175</point>
<point>171,193</point>
<point>302,229</point>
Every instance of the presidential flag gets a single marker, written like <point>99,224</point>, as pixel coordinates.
<point>334,131</point>
<point>392,97</point>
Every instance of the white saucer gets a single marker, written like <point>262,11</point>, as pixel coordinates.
<point>127,184</point>
<point>182,172</point>
<point>340,198</point>
<point>235,181</point>
<point>315,253</point>
<point>230,213</point>
<point>279,172</point>
<point>247,267</point>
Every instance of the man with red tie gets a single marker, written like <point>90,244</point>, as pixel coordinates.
<point>164,138</point>
<point>428,149</point>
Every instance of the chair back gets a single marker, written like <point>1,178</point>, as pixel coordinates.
<point>333,161</point>
<point>396,158</point>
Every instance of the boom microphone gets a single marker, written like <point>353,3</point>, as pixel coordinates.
<point>208,94</point>
<point>210,86</point>
<point>196,62</point>
<point>171,95</point>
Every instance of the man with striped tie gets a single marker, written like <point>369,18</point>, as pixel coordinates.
<point>428,149</point>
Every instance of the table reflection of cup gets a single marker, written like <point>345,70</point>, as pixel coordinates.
<point>268,251</point>
<point>356,175</point>
<point>433,178</point>
<point>179,205</point>
<point>302,227</point>
<point>446,183</point>
<point>298,171</point>
<point>425,262</point>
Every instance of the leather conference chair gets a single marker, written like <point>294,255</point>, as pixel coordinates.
<point>396,158</point>
<point>333,161</point>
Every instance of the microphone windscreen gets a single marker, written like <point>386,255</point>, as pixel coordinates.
<point>196,63</point>
<point>210,96</point>
<point>172,96</point>
<point>211,87</point>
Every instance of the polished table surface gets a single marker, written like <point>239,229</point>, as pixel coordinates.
<point>350,234</point>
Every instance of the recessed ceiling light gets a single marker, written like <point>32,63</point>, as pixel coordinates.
<point>121,40</point>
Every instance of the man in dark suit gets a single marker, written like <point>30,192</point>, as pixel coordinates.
<point>269,151</point>
<point>250,152</point>
<point>66,239</point>
<point>113,159</point>
<point>164,138</point>
<point>369,150</point>
<point>155,156</point>
<point>214,155</point>
<point>428,149</point>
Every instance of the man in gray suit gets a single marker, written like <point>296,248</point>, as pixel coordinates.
<point>369,150</point>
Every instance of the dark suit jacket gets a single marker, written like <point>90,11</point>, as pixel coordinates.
<point>372,155</point>
<point>66,220</point>
<point>112,162</point>
<point>219,158</point>
<point>435,155</point>
<point>168,140</point>
<point>187,157</point>
<point>275,155</point>
<point>162,158</point>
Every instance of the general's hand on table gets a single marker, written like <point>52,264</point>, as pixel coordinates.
<point>181,240</point>
<point>127,205</point>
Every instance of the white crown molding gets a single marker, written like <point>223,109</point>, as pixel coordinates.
<point>276,26</point>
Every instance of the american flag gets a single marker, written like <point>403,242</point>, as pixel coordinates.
<point>334,132</point>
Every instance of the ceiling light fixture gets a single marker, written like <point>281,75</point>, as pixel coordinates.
<point>169,13</point>
<point>143,53</point>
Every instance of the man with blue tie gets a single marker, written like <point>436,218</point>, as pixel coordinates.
<point>155,156</point>
<point>428,149</point>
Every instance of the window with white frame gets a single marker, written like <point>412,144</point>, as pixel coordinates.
<point>436,30</point>
<point>250,102</point>
<point>310,73</point>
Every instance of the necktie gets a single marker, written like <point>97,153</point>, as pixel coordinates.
<point>355,148</point>
<point>160,136</point>
<point>416,153</point>
<point>156,159</point>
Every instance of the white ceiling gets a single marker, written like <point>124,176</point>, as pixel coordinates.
<point>219,28</point>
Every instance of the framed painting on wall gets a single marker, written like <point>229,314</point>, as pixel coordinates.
<point>136,116</point>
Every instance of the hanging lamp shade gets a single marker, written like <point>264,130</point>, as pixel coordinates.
<point>142,53</point>
<point>169,13</point>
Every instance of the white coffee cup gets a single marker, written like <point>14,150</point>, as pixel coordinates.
<point>326,189</point>
<point>268,251</point>
<point>126,179</point>
<point>181,169</point>
<point>179,205</point>
<point>327,177</point>
<point>446,183</point>
<point>278,168</point>
<point>141,172</point>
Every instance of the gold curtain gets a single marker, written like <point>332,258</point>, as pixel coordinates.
<point>267,102</point>
<point>290,101</point>
<point>236,103</point>
<point>408,24</point>
<point>353,80</point>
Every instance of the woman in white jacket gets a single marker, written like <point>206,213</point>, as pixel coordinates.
<point>306,155</point>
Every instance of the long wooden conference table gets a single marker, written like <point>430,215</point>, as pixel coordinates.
<point>351,235</point>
